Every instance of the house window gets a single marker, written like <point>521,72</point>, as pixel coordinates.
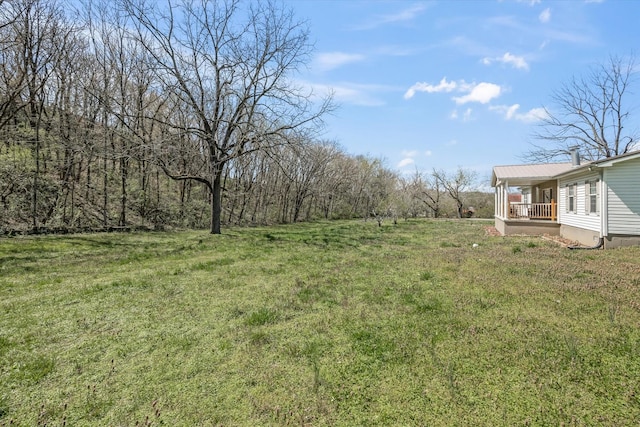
<point>571,197</point>
<point>592,197</point>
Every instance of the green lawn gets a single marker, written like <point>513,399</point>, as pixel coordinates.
<point>330,323</point>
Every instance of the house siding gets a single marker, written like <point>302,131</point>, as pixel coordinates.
<point>579,218</point>
<point>623,195</point>
<point>617,220</point>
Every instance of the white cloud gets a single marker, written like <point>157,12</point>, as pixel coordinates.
<point>517,61</point>
<point>405,162</point>
<point>545,16</point>
<point>443,86</point>
<point>331,60</point>
<point>467,115</point>
<point>452,142</point>
<point>482,93</point>
<point>409,157</point>
<point>508,59</point>
<point>511,113</point>
<point>533,115</point>
<point>453,115</point>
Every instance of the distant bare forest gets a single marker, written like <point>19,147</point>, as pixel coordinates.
<point>131,114</point>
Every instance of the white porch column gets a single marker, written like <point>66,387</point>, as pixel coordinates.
<point>505,195</point>
<point>501,200</point>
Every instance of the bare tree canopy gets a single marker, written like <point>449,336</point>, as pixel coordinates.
<point>456,184</point>
<point>228,66</point>
<point>592,113</point>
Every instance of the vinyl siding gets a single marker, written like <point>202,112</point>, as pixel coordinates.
<point>623,194</point>
<point>579,218</point>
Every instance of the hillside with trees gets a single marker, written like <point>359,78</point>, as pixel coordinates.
<point>138,115</point>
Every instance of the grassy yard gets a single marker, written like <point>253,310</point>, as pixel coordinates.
<point>330,323</point>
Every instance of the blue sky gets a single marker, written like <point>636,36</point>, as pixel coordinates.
<point>442,84</point>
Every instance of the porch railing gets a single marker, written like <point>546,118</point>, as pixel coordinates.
<point>534,210</point>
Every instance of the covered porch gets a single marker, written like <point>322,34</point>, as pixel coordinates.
<point>526,198</point>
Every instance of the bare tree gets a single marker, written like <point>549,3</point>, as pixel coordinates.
<point>231,74</point>
<point>456,185</point>
<point>6,15</point>
<point>591,113</point>
<point>431,192</point>
<point>304,167</point>
<point>334,182</point>
<point>13,65</point>
<point>33,42</point>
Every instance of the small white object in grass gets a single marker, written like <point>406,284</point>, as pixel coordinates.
<point>475,245</point>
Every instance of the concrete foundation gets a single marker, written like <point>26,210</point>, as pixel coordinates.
<point>580,235</point>
<point>527,227</point>
<point>619,241</point>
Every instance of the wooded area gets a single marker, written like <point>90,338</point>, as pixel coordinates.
<point>133,113</point>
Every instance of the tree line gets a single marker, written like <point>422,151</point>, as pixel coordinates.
<point>143,113</point>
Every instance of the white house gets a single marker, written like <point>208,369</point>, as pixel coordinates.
<point>595,204</point>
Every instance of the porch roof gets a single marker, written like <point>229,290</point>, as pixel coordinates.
<point>532,174</point>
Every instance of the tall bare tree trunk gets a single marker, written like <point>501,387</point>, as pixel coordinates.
<point>36,174</point>
<point>216,201</point>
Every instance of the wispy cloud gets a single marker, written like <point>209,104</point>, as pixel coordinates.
<point>409,153</point>
<point>404,15</point>
<point>482,93</point>
<point>545,16</point>
<point>570,34</point>
<point>468,46</point>
<point>443,86</point>
<point>409,156</point>
<point>508,59</point>
<point>405,162</point>
<point>466,115</point>
<point>356,94</point>
<point>330,60</point>
<point>350,93</point>
<point>510,112</point>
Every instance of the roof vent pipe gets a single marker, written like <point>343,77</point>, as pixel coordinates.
<point>575,156</point>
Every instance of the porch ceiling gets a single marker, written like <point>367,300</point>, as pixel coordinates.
<point>523,175</point>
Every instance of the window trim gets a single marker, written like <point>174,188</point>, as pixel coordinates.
<point>571,199</point>
<point>588,196</point>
